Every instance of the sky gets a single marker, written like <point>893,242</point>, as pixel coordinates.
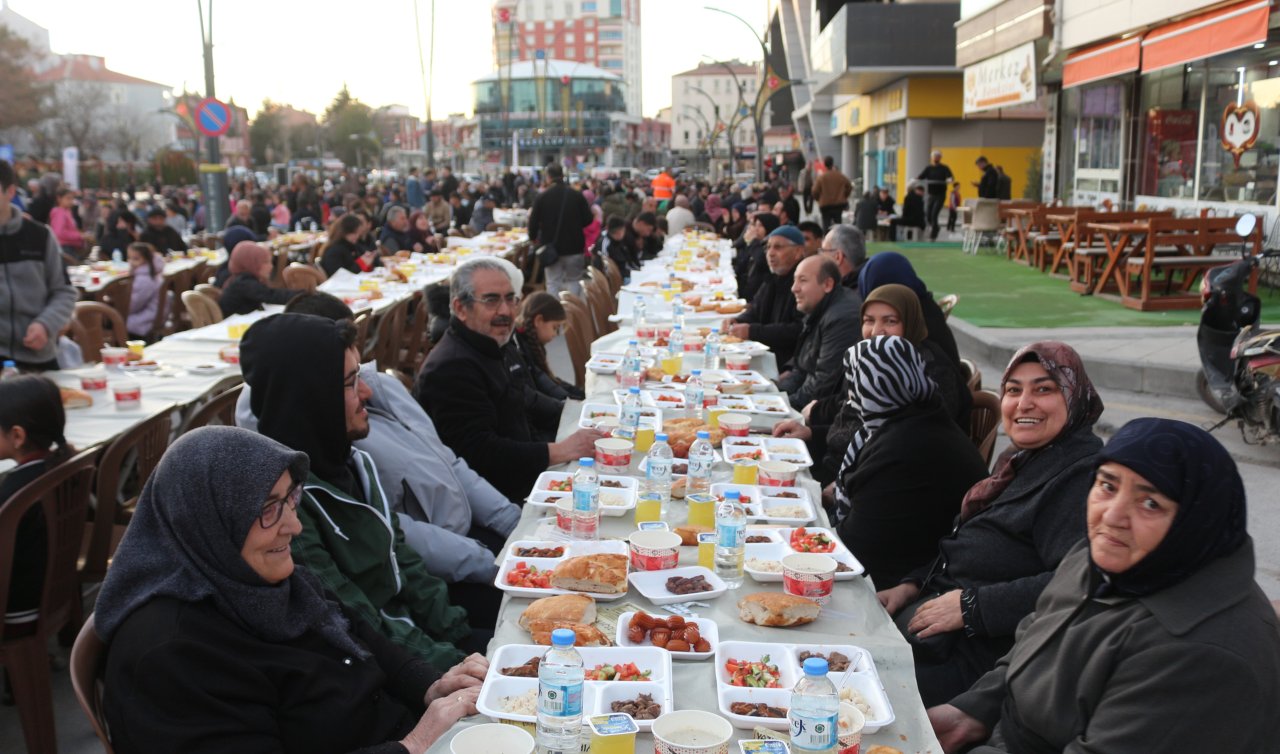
<point>301,54</point>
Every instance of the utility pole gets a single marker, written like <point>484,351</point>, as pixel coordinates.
<point>213,174</point>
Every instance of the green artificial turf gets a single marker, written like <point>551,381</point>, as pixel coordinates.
<point>995,292</point>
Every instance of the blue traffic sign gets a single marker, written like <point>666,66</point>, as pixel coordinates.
<point>213,118</point>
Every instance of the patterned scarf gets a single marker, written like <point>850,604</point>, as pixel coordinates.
<point>885,376</point>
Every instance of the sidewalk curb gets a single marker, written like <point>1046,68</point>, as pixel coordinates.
<point>985,343</point>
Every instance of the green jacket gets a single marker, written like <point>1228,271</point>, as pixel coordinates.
<point>358,552</point>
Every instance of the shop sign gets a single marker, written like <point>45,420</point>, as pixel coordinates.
<point>1002,81</point>
<point>1240,128</point>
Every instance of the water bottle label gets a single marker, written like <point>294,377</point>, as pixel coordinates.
<point>699,467</point>
<point>658,470</point>
<point>630,416</point>
<point>560,700</point>
<point>584,500</point>
<point>729,535</point>
<point>695,398</point>
<point>813,733</point>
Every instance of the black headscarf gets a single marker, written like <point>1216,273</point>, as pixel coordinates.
<point>1188,465</point>
<point>185,538</point>
<point>293,365</point>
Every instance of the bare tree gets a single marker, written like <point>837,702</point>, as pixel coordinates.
<point>122,133</point>
<point>78,113</point>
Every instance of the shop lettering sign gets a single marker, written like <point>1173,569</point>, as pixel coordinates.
<point>1240,128</point>
<point>1005,80</point>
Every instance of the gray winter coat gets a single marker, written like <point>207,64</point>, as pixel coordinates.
<point>33,288</point>
<point>437,497</point>
<point>1194,667</point>
<point>817,368</point>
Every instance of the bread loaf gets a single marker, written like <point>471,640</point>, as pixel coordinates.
<point>75,398</point>
<point>603,574</point>
<point>776,609</point>
<point>689,534</point>
<point>575,608</point>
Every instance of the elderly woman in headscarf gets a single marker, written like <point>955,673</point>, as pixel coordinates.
<point>891,267</point>
<point>959,611</point>
<point>906,467</point>
<point>217,642</point>
<point>1153,635</point>
<point>715,212</point>
<point>247,290</point>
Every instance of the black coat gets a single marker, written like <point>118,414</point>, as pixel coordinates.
<point>479,410</point>
<point>340,255</point>
<point>989,186</point>
<point>183,677</point>
<point>542,409</point>
<point>558,216</point>
<point>912,211</point>
<point>245,293</point>
<point>164,239</point>
<point>906,489</point>
<point>865,214</point>
<point>775,321</point>
<point>817,369</point>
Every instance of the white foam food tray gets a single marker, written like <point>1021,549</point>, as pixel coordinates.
<point>765,505</point>
<point>597,696</point>
<point>787,449</point>
<point>572,549</point>
<point>609,363</point>
<point>776,551</point>
<point>861,677</point>
<point>653,585</point>
<point>706,627</point>
<point>593,413</point>
<point>614,501</point>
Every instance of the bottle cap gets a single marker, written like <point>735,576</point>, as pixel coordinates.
<point>588,461</point>
<point>633,342</point>
<point>697,373</point>
<point>715,329</point>
<point>10,363</point>
<point>660,436</point>
<point>704,434</point>
<point>634,390</point>
<point>812,666</point>
<point>565,637</point>
<point>732,495</point>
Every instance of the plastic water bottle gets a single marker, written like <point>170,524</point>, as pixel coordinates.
<point>560,677</point>
<point>10,369</point>
<point>675,341</point>
<point>701,458</point>
<point>630,419</point>
<point>631,374</point>
<point>731,524</point>
<point>694,394</point>
<point>639,313</point>
<point>677,310</point>
<point>117,257</point>
<point>711,350</point>
<point>815,707</point>
<point>657,468</point>
<point>586,501</point>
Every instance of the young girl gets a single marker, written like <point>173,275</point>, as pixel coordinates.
<point>540,321</point>
<point>31,426</point>
<point>147,267</point>
<point>63,223</point>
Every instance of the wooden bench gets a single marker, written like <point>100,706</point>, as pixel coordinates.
<point>1176,252</point>
<point>1085,253</point>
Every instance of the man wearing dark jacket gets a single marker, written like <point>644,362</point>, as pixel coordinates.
<point>304,374</point>
<point>937,178</point>
<point>558,216</point>
<point>160,234</point>
<point>989,186</point>
<point>830,328</point>
<point>772,318</point>
<point>467,389</point>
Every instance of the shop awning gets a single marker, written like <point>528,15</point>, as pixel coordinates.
<point>1206,35</point>
<point>1102,61</point>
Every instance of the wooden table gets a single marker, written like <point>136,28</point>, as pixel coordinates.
<point>1120,239</point>
<point>1022,220</point>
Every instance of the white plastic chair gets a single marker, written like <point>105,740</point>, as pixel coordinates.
<point>984,223</point>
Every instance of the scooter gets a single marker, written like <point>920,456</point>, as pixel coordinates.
<point>1240,362</point>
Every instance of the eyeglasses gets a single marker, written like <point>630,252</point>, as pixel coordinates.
<point>494,300</point>
<point>273,511</point>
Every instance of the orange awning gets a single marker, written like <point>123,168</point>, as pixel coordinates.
<point>1102,61</point>
<point>1206,35</point>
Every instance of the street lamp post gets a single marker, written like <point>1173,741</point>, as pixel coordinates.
<point>213,174</point>
<point>702,118</point>
<point>715,109</point>
<point>740,113</point>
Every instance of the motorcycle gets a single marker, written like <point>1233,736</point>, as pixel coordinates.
<point>1240,362</point>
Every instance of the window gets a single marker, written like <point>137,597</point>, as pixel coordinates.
<point>528,26</point>
<point>568,38</point>
<point>548,39</point>
<point>610,34</point>
<point>570,52</point>
<point>611,64</point>
<point>686,136</point>
<point>1235,80</point>
<point>530,41</point>
<point>589,37</point>
<point>615,8</point>
<point>588,52</point>
<point>589,7</point>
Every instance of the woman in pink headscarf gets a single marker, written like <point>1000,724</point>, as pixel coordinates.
<point>247,289</point>
<point>715,212</point>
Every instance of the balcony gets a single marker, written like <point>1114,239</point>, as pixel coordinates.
<point>866,46</point>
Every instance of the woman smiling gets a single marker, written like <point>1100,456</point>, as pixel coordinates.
<point>1152,635</point>
<point>960,611</point>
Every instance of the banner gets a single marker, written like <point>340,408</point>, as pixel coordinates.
<point>71,167</point>
<point>1002,81</point>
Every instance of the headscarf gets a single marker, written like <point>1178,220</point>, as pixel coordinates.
<point>1188,465</point>
<point>589,195</point>
<point>741,207</point>
<point>885,375</point>
<point>1084,406</point>
<point>713,209</point>
<point>293,366</point>
<point>248,256</point>
<point>769,220</point>
<point>184,542</point>
<point>233,236</point>
<point>907,304</point>
<point>889,267</point>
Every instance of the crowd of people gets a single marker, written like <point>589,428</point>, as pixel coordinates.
<point>335,592</point>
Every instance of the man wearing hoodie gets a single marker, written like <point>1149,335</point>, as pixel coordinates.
<point>36,298</point>
<point>304,373</point>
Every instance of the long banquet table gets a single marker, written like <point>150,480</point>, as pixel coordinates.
<point>853,616</point>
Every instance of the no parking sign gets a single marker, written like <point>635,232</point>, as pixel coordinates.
<point>213,117</point>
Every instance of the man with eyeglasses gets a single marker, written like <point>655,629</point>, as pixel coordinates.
<point>771,317</point>
<point>467,387</point>
<point>847,247</point>
<point>303,372</point>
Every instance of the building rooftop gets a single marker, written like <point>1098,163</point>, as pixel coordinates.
<point>89,68</point>
<point>525,69</point>
<point>720,69</point>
